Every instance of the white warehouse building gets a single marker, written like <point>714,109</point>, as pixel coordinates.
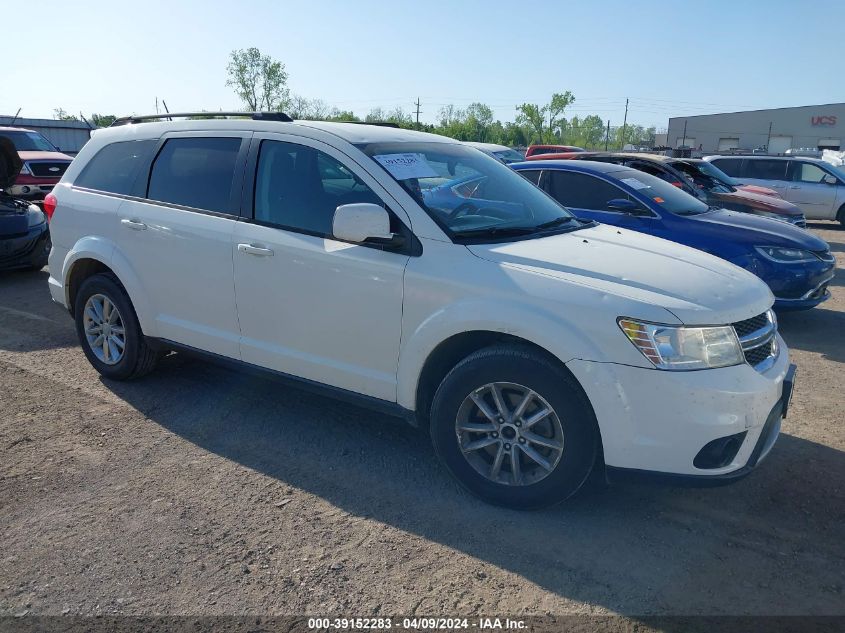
<point>777,130</point>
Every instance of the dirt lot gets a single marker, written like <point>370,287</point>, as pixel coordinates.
<point>202,491</point>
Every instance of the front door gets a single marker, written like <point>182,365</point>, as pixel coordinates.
<point>309,305</point>
<point>810,192</point>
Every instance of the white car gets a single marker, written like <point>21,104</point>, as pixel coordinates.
<point>413,274</point>
<point>501,152</point>
<point>814,185</point>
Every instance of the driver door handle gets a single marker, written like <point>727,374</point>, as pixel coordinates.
<point>133,224</point>
<point>258,251</point>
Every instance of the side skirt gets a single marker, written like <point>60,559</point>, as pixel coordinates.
<point>367,402</point>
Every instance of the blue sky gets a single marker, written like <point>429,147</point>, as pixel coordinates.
<point>670,58</point>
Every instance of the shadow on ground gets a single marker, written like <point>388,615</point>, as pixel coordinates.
<point>29,319</point>
<point>730,550</point>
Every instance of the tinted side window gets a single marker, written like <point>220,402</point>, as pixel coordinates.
<point>582,191</point>
<point>195,172</point>
<point>764,169</point>
<point>299,187</point>
<point>531,174</point>
<point>115,167</point>
<point>731,166</point>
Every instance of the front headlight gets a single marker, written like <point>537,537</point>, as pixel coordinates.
<point>682,348</point>
<point>782,255</point>
<point>35,216</point>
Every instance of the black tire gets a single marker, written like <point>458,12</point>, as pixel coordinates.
<point>138,357</point>
<point>523,366</point>
<point>841,215</point>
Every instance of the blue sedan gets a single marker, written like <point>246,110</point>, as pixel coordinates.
<point>796,265</point>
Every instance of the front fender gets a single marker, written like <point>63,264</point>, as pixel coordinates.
<point>552,332</point>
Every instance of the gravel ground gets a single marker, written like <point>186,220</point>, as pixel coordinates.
<point>202,491</point>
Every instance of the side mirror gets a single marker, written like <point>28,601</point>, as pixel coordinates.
<point>362,222</point>
<point>623,205</point>
<point>830,179</point>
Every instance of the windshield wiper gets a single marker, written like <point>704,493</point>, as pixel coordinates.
<point>564,219</point>
<point>496,231</point>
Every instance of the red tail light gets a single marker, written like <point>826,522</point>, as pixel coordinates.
<point>49,205</point>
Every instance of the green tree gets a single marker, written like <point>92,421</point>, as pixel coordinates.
<point>60,114</point>
<point>102,120</point>
<point>259,80</point>
<point>536,116</point>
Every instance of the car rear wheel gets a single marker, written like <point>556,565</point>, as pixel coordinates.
<point>108,330</point>
<point>514,428</point>
<point>841,215</point>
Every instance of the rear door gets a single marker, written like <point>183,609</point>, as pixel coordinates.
<point>766,172</point>
<point>808,190</point>
<point>178,238</point>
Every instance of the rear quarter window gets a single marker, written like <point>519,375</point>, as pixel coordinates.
<point>731,166</point>
<point>115,167</point>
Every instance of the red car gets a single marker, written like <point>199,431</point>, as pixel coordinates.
<point>43,164</point>
<point>695,177</point>
<point>545,150</point>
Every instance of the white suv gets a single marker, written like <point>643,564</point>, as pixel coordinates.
<point>419,276</point>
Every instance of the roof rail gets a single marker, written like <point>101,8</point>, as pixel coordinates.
<point>378,123</point>
<point>257,116</point>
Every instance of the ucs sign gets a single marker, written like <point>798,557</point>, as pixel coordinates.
<point>823,120</point>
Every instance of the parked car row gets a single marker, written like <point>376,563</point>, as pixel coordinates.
<point>410,273</point>
<point>796,265</point>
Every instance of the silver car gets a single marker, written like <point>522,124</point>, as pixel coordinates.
<point>817,187</point>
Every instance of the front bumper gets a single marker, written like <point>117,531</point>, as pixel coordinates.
<point>24,251</point>
<point>796,286</point>
<point>658,421</point>
<point>32,192</point>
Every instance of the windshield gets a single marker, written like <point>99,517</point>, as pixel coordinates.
<point>469,193</point>
<point>508,156</point>
<point>29,141</point>
<point>668,196</point>
<point>714,172</point>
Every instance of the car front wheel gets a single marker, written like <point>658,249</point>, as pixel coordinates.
<point>514,428</point>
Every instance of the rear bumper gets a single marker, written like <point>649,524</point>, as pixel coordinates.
<point>764,444</point>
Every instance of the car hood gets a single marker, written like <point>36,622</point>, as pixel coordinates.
<point>761,190</point>
<point>57,156</point>
<point>762,202</point>
<point>763,231</point>
<point>10,163</point>
<point>696,287</point>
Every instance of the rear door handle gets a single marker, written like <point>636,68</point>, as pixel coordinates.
<point>133,224</point>
<point>251,249</point>
<point>795,187</point>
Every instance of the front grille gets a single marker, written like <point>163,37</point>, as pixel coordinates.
<point>758,339</point>
<point>48,169</point>
<point>744,328</point>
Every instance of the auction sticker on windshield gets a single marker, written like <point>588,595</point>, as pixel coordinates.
<point>405,166</point>
<point>636,184</point>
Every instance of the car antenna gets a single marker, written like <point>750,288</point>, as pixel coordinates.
<point>164,103</point>
<point>15,118</point>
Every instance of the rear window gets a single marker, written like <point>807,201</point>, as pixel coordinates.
<point>115,167</point>
<point>195,172</point>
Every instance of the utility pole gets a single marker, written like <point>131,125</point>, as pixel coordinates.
<point>607,135</point>
<point>684,137</point>
<point>624,125</point>
<point>769,137</point>
<point>418,112</point>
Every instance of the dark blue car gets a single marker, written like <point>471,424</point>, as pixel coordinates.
<point>795,264</point>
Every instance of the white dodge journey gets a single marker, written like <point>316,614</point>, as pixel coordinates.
<point>411,273</point>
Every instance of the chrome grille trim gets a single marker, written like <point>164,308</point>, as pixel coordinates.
<point>754,343</point>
